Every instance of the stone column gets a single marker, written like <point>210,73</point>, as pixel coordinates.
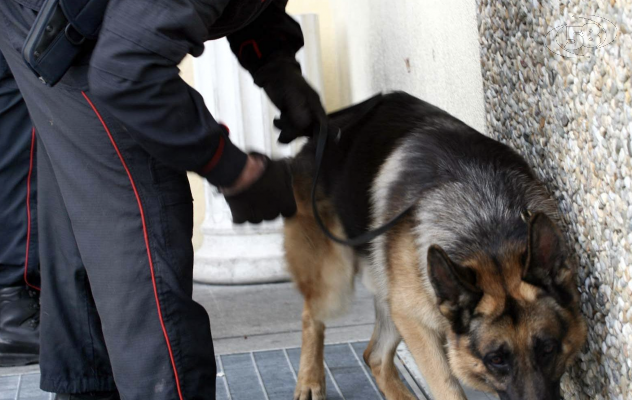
<point>252,253</point>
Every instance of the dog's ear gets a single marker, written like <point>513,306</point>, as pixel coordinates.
<point>455,287</point>
<point>546,262</point>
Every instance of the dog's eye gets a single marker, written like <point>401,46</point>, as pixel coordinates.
<point>549,347</point>
<point>496,359</point>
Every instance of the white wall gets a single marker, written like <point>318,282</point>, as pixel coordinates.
<point>429,48</point>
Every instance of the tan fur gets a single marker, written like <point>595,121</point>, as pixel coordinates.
<point>497,286</point>
<point>426,345</point>
<point>311,377</point>
<point>384,370</point>
<point>323,272</point>
<point>416,316</point>
<point>465,365</point>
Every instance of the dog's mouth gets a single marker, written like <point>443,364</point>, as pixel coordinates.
<point>553,393</point>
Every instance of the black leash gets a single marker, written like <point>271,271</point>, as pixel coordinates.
<point>323,135</point>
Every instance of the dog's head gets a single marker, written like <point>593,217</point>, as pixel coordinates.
<point>514,317</point>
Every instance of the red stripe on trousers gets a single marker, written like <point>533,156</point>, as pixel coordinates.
<point>151,263</point>
<point>28,213</point>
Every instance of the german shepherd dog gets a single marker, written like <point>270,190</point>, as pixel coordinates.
<point>476,278</point>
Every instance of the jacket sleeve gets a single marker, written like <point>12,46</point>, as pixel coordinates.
<point>274,34</point>
<point>134,74</point>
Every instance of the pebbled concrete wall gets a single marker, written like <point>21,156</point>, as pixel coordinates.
<point>570,115</point>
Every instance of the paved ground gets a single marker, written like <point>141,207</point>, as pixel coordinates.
<point>259,375</point>
<point>257,335</point>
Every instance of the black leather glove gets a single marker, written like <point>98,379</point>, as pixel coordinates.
<point>301,109</point>
<point>267,198</point>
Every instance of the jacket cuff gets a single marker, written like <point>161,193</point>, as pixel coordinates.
<point>226,164</point>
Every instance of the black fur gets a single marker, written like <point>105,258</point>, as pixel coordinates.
<point>350,166</point>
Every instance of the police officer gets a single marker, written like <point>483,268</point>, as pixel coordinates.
<point>115,137</point>
<point>19,258</point>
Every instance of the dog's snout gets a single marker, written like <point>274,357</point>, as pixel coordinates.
<point>532,390</point>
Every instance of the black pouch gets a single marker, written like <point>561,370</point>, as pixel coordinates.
<point>61,31</point>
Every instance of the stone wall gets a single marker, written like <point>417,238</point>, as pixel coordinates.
<point>571,117</point>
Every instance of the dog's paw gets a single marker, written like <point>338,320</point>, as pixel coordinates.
<point>310,391</point>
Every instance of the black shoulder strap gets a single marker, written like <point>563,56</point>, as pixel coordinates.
<point>323,135</point>
<point>85,16</point>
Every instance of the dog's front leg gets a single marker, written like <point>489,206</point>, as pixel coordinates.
<point>311,374</point>
<point>427,347</point>
<point>380,353</point>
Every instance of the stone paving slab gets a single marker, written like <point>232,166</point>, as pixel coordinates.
<point>22,387</point>
<point>261,375</point>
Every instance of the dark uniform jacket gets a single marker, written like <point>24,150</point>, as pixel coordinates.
<point>134,72</point>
